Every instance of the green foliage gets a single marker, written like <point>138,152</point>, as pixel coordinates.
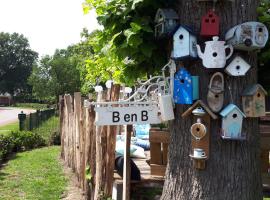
<point>36,106</point>
<point>55,75</point>
<point>264,56</point>
<point>88,174</point>
<point>14,126</point>
<point>125,49</point>
<point>33,175</point>
<point>16,63</point>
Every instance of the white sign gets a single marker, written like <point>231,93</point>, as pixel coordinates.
<point>136,114</point>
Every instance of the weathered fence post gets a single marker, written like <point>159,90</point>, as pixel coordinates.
<point>22,118</point>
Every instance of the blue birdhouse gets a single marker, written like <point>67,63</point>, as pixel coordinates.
<point>183,88</point>
<point>232,119</point>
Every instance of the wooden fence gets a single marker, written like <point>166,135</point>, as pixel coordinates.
<point>88,150</point>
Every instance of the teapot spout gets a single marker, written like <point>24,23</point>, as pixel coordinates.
<point>200,54</point>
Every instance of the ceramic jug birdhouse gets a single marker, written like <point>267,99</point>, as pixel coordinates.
<point>214,55</point>
<point>166,107</point>
<point>166,21</point>
<point>210,24</point>
<point>183,90</point>
<point>253,100</point>
<point>232,120</point>
<point>238,67</point>
<point>184,43</point>
<point>248,36</point>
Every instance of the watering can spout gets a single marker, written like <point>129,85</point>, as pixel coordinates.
<point>200,54</point>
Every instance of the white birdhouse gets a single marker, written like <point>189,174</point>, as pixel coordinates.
<point>238,67</point>
<point>184,43</point>
<point>248,36</point>
<point>253,100</point>
<point>232,119</point>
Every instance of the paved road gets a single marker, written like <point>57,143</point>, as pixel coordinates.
<point>8,115</point>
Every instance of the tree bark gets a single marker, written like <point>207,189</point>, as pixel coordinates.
<point>233,168</point>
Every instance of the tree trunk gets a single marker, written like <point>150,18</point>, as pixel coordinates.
<point>233,168</point>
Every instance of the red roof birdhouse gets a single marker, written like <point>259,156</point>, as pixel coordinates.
<point>210,24</point>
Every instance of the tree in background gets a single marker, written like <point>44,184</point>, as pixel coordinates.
<point>16,62</point>
<point>55,75</point>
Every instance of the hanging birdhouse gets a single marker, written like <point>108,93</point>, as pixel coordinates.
<point>166,107</point>
<point>214,55</point>
<point>166,21</point>
<point>253,100</point>
<point>232,119</point>
<point>195,83</point>
<point>248,36</point>
<point>184,43</point>
<point>238,67</point>
<point>183,88</point>
<point>210,24</point>
<point>200,132</point>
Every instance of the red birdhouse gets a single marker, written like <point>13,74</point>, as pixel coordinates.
<point>210,24</point>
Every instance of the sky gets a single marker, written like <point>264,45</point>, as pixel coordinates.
<point>47,24</point>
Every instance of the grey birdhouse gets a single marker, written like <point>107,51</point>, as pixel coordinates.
<point>253,100</point>
<point>184,43</point>
<point>238,67</point>
<point>248,36</point>
<point>232,120</point>
<point>166,21</point>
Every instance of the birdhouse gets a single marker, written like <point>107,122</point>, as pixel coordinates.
<point>214,55</point>
<point>184,43</point>
<point>195,83</point>
<point>248,36</point>
<point>183,87</point>
<point>166,21</point>
<point>200,132</point>
<point>232,120</point>
<point>253,100</point>
<point>166,107</point>
<point>238,67</point>
<point>210,24</point>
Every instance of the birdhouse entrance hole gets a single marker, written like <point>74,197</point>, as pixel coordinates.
<point>234,116</point>
<point>215,54</point>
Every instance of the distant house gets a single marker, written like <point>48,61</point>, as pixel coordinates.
<point>5,99</point>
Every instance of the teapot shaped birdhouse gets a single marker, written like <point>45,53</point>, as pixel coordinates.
<point>214,55</point>
<point>183,87</point>
<point>232,120</point>
<point>248,36</point>
<point>210,24</point>
<point>238,67</point>
<point>166,21</point>
<point>253,100</point>
<point>184,43</point>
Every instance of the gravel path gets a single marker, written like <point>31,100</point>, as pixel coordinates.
<point>8,114</point>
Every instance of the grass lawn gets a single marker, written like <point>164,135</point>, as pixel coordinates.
<point>35,106</point>
<point>14,126</point>
<point>33,175</point>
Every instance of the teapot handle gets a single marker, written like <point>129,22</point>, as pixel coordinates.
<point>231,51</point>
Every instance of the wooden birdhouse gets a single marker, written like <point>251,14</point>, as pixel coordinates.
<point>166,21</point>
<point>210,24</point>
<point>183,87</point>
<point>248,36</point>
<point>232,120</point>
<point>184,43</point>
<point>253,100</point>
<point>238,67</point>
<point>200,135</point>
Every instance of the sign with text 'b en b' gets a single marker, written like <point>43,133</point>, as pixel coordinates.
<point>147,114</point>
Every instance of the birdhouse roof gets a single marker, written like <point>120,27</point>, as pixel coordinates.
<point>197,104</point>
<point>187,28</point>
<point>252,89</point>
<point>226,111</point>
<point>167,13</point>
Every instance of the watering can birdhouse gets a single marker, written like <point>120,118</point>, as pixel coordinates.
<point>183,88</point>
<point>210,24</point>
<point>238,67</point>
<point>166,21</point>
<point>214,55</point>
<point>184,43</point>
<point>253,100</point>
<point>166,107</point>
<point>200,132</point>
<point>232,120</point>
<point>248,36</point>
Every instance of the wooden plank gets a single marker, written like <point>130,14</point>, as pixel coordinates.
<point>165,153</point>
<point>77,119</point>
<point>155,151</point>
<point>127,168</point>
<point>158,170</point>
<point>159,136</point>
